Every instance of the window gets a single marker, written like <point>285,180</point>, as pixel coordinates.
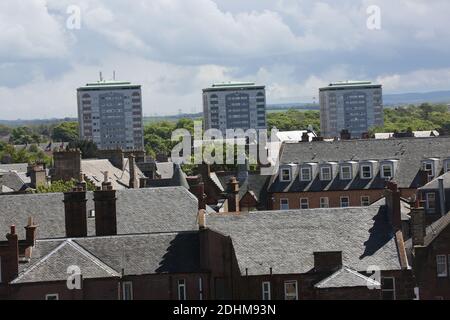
<point>284,204</point>
<point>127,290</point>
<point>388,288</point>
<point>325,173</point>
<point>428,167</point>
<point>441,263</point>
<point>366,172</point>
<point>181,289</point>
<point>304,203</point>
<point>266,294</point>
<point>447,166</point>
<point>346,173</point>
<point>290,290</point>
<point>386,171</point>
<point>52,296</point>
<point>324,202</point>
<point>200,288</point>
<point>365,201</point>
<point>285,175</point>
<point>345,202</point>
<point>91,214</point>
<point>305,174</point>
<point>431,202</point>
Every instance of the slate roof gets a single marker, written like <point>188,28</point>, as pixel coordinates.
<point>346,278</point>
<point>18,167</point>
<point>138,211</point>
<point>165,169</point>
<point>409,151</point>
<point>405,207</point>
<point>255,183</point>
<point>120,179</point>
<point>435,229</point>
<point>432,233</point>
<point>105,257</point>
<point>178,179</point>
<point>13,181</point>
<point>286,240</point>
<point>54,265</point>
<point>434,184</point>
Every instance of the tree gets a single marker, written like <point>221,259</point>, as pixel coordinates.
<point>88,148</point>
<point>4,130</point>
<point>66,132</point>
<point>62,186</point>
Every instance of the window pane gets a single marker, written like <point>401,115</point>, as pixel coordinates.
<point>286,175</point>
<point>441,262</point>
<point>345,202</point>
<point>324,203</point>
<point>290,289</point>
<point>326,174</point>
<point>306,174</point>
<point>304,203</point>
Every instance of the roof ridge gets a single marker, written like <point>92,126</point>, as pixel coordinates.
<point>41,261</point>
<point>351,271</point>
<point>93,258</point>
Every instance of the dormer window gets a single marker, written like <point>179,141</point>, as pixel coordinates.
<point>286,175</point>
<point>447,166</point>
<point>325,174</point>
<point>387,171</point>
<point>366,171</point>
<point>346,173</point>
<point>305,174</point>
<point>428,166</point>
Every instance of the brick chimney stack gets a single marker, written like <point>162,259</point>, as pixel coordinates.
<point>75,213</point>
<point>12,260</point>
<point>30,232</point>
<point>392,195</point>
<point>418,225</point>
<point>105,210</point>
<point>198,190</point>
<point>233,196</point>
<point>345,135</point>
<point>37,174</point>
<point>327,261</point>
<point>67,165</point>
<point>305,136</point>
<point>134,182</point>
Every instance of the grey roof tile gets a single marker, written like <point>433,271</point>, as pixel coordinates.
<point>346,278</point>
<point>54,266</point>
<point>286,240</point>
<point>138,211</point>
<point>409,151</point>
<point>105,257</point>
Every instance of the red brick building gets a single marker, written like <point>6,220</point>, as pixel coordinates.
<point>351,173</point>
<point>429,251</point>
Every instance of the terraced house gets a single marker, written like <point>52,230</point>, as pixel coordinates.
<point>349,173</point>
<point>156,244</point>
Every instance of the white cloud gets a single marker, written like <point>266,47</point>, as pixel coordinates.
<point>174,48</point>
<point>419,80</point>
<point>29,31</point>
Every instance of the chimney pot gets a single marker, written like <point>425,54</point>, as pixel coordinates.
<point>13,229</point>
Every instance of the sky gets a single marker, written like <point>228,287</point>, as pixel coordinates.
<point>174,48</point>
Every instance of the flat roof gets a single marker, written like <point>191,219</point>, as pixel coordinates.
<point>339,85</point>
<point>108,85</point>
<point>233,86</point>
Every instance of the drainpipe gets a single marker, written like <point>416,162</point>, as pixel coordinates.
<point>442,196</point>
